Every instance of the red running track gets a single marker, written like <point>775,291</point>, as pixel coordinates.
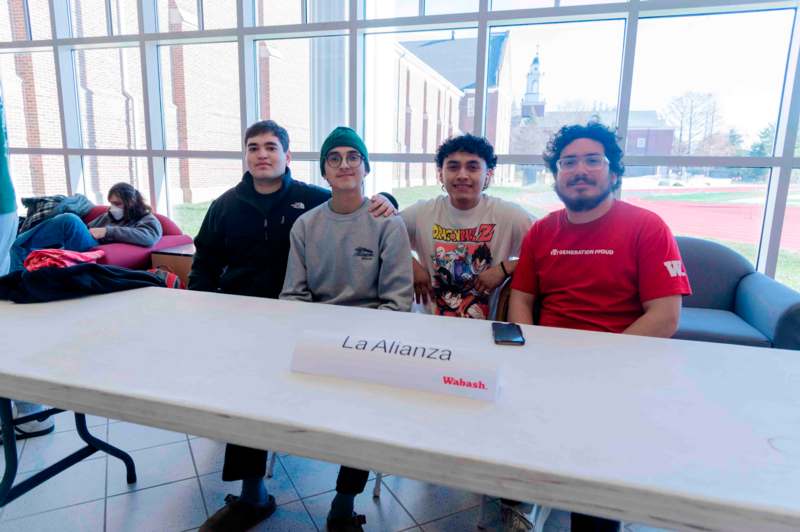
<point>733,222</point>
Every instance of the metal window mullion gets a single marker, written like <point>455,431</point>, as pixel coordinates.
<point>481,69</point>
<point>421,11</point>
<point>109,19</point>
<point>355,70</point>
<point>626,77</point>
<point>66,88</point>
<point>27,16</point>
<point>780,177</point>
<point>248,86</point>
<point>151,100</point>
<point>304,11</point>
<point>201,23</point>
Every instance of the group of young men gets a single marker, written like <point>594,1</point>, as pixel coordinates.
<point>598,264</point>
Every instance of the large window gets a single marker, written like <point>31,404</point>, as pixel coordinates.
<point>714,91</point>
<point>538,81</point>
<point>159,93</point>
<point>110,98</point>
<point>200,96</point>
<point>302,85</point>
<point>417,93</point>
<point>788,270</point>
<point>706,202</point>
<point>31,100</point>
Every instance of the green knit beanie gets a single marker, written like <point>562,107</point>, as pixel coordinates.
<point>342,136</point>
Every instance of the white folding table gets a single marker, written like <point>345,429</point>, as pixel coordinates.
<point>676,434</point>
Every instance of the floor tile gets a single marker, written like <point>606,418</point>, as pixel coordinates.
<point>80,483</point>
<point>214,489</point>
<point>42,451</point>
<point>384,513</point>
<point>428,502</point>
<point>466,520</point>
<point>66,421</point>
<point>291,517</point>
<point>209,455</point>
<point>86,517</point>
<point>311,477</point>
<point>173,507</point>
<point>130,436</point>
<point>156,465</point>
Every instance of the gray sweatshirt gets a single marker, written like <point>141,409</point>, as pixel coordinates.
<point>145,231</point>
<point>349,259</point>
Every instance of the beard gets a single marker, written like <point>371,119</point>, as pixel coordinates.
<point>582,204</point>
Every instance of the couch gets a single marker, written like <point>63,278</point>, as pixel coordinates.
<point>732,303</point>
<point>138,257</point>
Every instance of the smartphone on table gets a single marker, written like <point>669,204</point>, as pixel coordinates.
<point>507,333</point>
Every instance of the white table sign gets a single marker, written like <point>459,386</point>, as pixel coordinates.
<point>399,362</point>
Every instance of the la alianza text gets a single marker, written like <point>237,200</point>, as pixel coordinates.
<point>398,348</point>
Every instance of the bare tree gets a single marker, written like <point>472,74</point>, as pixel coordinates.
<point>695,116</point>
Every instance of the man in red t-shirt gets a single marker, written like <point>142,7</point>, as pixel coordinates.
<point>599,264</point>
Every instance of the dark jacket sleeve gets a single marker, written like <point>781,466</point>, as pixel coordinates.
<point>144,232</point>
<point>391,199</point>
<point>209,252</point>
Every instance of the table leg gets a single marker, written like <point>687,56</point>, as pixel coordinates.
<point>9,492</point>
<point>83,432</point>
<point>9,448</point>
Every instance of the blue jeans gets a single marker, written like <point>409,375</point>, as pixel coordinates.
<point>8,232</point>
<point>63,231</point>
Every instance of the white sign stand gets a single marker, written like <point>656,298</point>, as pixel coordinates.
<point>398,362</point>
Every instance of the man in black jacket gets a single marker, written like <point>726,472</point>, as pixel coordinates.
<point>242,248</point>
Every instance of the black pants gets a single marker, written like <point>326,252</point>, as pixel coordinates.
<point>244,462</point>
<point>351,481</point>
<point>590,523</point>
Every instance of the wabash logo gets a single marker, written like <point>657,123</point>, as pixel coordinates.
<point>675,268</point>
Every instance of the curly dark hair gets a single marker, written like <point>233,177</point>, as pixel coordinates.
<point>470,144</point>
<point>593,130</point>
<point>134,205</point>
<point>268,126</point>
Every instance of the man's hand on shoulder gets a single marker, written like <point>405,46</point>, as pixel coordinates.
<point>379,205</point>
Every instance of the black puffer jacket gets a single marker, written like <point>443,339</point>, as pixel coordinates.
<point>242,247</point>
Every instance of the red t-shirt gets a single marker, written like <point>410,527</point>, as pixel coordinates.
<point>595,276</point>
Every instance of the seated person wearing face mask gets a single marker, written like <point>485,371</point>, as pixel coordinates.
<point>128,220</point>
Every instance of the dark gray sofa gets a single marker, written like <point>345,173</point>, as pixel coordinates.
<point>732,303</point>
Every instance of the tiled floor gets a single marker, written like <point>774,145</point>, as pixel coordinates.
<point>179,484</point>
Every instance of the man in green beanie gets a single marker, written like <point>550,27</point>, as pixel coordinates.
<point>341,255</point>
<point>241,249</point>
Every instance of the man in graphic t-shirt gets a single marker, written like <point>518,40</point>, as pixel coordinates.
<point>466,241</point>
<point>466,244</point>
<point>598,264</point>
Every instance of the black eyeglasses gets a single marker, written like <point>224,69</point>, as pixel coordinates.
<point>334,159</point>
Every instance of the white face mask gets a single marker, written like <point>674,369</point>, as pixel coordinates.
<point>116,212</point>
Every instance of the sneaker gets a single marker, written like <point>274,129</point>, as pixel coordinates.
<point>514,520</point>
<point>346,524</point>
<point>238,516</point>
<point>30,429</point>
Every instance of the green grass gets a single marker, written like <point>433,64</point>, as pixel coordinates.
<point>704,197</point>
<point>189,216</point>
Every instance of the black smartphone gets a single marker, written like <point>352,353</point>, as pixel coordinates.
<point>507,334</point>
